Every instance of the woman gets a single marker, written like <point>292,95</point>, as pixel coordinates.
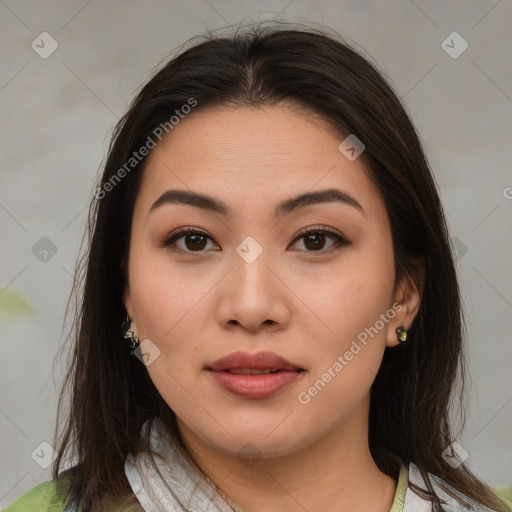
<point>270,317</point>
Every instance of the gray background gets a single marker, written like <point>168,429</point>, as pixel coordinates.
<point>57,114</point>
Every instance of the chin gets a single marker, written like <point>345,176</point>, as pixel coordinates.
<point>257,443</point>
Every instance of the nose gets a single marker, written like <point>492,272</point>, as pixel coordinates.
<point>253,296</point>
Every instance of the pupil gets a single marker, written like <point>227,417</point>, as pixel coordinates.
<point>196,239</point>
<point>316,243</point>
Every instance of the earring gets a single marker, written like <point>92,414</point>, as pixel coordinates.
<point>129,335</point>
<point>401,334</point>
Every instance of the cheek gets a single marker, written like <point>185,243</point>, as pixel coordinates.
<point>165,294</point>
<point>345,363</point>
<point>167,306</point>
<point>352,313</point>
<point>349,297</point>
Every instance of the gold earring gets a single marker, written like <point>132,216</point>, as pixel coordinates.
<point>129,335</point>
<point>401,333</point>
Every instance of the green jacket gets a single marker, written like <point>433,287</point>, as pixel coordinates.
<point>39,499</point>
<point>51,497</point>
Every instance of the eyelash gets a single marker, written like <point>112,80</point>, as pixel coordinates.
<point>338,239</point>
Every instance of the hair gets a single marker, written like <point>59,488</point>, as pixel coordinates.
<point>313,69</point>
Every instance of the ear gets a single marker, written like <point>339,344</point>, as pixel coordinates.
<point>127,300</point>
<point>407,300</point>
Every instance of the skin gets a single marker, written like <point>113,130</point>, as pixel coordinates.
<point>305,305</point>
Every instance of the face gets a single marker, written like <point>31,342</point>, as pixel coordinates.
<point>248,279</point>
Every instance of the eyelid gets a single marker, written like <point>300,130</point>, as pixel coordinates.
<point>185,230</point>
<point>319,229</point>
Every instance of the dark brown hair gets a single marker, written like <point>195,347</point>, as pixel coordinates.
<point>111,394</point>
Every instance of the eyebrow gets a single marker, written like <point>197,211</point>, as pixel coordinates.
<point>287,206</point>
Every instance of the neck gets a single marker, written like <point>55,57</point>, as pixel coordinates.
<point>335,472</point>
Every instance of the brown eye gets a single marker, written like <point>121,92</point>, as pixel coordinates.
<point>193,240</point>
<point>315,239</point>
<point>196,241</point>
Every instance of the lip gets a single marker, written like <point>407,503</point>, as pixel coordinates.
<point>254,386</point>
<point>257,361</point>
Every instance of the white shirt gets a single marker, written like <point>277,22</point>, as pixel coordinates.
<point>180,487</point>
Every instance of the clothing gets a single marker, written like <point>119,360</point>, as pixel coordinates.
<point>188,490</point>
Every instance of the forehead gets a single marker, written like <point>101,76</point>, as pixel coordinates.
<point>249,155</point>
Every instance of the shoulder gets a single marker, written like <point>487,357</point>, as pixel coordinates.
<point>450,496</point>
<point>51,496</point>
<point>505,495</point>
<point>43,498</point>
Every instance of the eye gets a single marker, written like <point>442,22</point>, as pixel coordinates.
<point>314,239</point>
<point>194,240</point>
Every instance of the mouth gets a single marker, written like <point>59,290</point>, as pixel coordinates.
<point>259,375</point>
<point>251,371</point>
<point>253,364</point>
